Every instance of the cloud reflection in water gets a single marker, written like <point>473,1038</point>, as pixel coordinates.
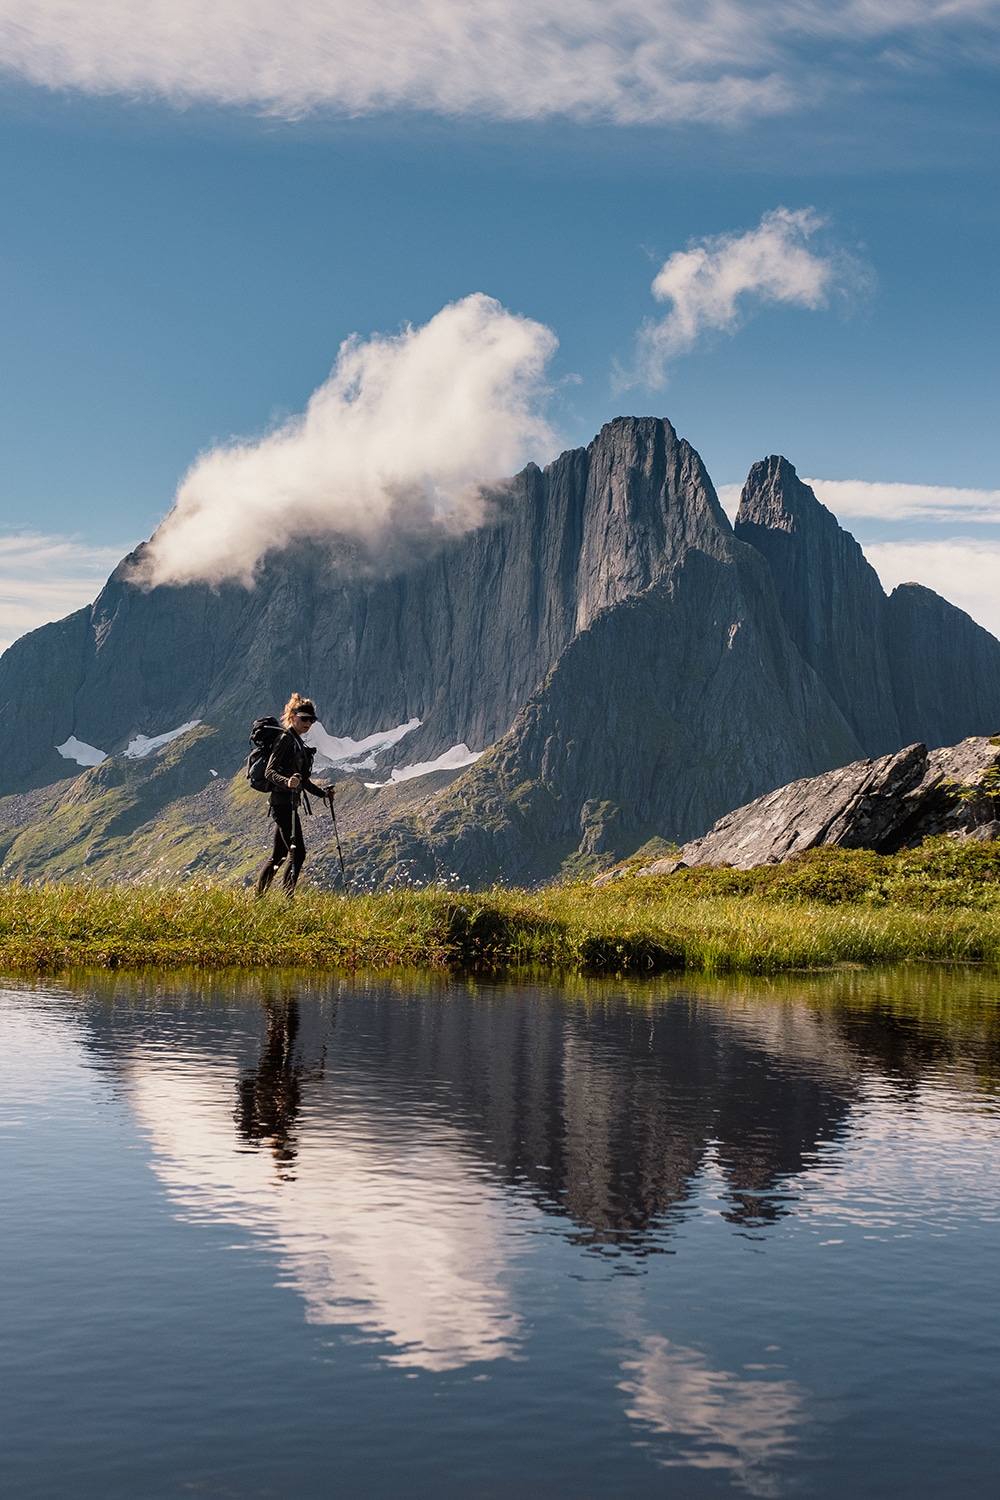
<point>387,1225</point>
<point>717,1420</point>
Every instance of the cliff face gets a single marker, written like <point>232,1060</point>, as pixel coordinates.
<point>636,667</point>
<point>459,638</point>
<point>901,669</point>
<point>663,706</point>
<point>945,668</point>
<point>830,598</point>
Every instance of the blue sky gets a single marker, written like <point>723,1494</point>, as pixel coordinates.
<point>196,213</point>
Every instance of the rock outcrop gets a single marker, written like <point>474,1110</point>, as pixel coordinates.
<point>882,804</point>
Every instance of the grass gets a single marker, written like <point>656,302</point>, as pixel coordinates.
<point>829,907</point>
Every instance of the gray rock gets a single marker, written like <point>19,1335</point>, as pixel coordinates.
<point>985,833</point>
<point>880,804</point>
<point>663,867</point>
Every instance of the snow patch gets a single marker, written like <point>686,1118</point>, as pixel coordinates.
<point>452,760</point>
<point>143,745</point>
<point>83,754</point>
<point>354,755</point>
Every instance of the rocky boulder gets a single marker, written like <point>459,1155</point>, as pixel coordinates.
<point>882,804</point>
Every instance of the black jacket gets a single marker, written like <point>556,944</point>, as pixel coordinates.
<point>290,757</point>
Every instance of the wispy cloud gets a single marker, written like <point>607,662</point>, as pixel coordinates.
<point>43,578</point>
<point>623,60</point>
<point>393,447</point>
<point>963,570</point>
<point>860,498</point>
<point>713,284</point>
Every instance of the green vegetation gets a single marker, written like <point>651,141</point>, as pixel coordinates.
<point>829,907</point>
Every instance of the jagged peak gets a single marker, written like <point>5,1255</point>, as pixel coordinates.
<point>646,425</point>
<point>775,497</point>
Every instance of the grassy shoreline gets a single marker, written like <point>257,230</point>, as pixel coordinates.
<point>941,902</point>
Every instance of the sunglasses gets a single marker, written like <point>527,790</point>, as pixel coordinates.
<point>309,718</point>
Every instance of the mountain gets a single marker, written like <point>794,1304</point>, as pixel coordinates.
<point>829,595</point>
<point>901,669</point>
<point>631,665</point>
<point>457,636</point>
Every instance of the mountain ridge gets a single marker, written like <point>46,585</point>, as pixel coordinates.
<point>630,664</point>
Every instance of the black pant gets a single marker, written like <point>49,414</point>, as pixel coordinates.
<point>288,844</point>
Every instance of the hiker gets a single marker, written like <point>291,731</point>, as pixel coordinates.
<point>288,774</point>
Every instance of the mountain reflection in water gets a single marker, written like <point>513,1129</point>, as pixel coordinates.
<point>464,1175</point>
<point>416,1125</point>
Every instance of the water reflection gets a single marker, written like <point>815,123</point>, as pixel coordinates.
<point>606,1112</point>
<point>714,1419</point>
<point>402,1148</point>
<point>386,1226</point>
<point>269,1096</point>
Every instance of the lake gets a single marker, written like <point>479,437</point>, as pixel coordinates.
<point>405,1237</point>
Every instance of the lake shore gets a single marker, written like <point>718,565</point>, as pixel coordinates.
<point>939,902</point>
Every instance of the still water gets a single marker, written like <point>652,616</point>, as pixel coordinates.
<point>379,1238</point>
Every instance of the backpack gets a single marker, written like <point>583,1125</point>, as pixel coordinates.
<point>263,738</point>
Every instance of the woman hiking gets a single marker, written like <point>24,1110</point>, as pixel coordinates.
<point>288,774</point>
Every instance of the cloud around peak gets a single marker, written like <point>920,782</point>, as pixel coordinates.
<point>394,446</point>
<point>627,61</point>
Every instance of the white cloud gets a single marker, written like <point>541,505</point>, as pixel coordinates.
<point>963,570</point>
<point>43,578</point>
<point>711,283</point>
<point>870,500</point>
<point>906,502</point>
<point>623,60</point>
<point>395,443</point>
<point>729,498</point>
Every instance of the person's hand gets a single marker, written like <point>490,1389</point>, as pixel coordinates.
<point>328,793</point>
<point>294,782</point>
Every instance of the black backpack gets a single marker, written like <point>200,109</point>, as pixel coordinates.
<point>263,738</point>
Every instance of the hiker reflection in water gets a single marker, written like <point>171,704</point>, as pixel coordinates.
<point>269,1098</point>
<point>289,772</point>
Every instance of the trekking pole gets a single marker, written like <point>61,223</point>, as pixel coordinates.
<point>336,837</point>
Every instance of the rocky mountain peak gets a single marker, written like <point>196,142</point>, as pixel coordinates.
<point>629,666</point>
<point>774,497</point>
<point>830,597</point>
